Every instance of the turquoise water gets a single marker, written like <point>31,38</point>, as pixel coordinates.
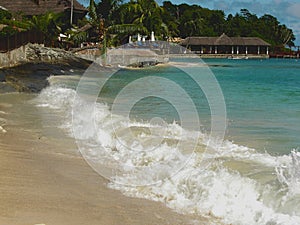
<point>262,99</point>
<point>263,102</point>
<point>251,178</point>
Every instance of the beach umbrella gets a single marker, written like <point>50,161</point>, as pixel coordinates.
<point>129,41</point>
<point>139,37</point>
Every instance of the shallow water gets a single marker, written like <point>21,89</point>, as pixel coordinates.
<point>251,178</point>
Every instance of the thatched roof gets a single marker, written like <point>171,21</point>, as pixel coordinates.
<point>224,40</point>
<point>36,7</point>
<point>254,41</point>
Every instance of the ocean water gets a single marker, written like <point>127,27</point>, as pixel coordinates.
<point>157,134</point>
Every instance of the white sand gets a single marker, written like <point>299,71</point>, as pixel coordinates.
<point>44,180</point>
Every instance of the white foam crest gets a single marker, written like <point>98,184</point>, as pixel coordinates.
<point>58,79</point>
<point>60,99</point>
<point>238,152</point>
<point>56,97</point>
<point>214,190</point>
<point>221,193</point>
<point>288,174</point>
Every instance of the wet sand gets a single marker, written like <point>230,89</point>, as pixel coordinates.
<point>44,180</point>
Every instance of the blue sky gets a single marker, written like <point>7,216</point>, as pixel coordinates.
<point>286,11</point>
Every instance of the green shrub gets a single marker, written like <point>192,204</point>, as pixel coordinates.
<point>8,31</point>
<point>5,14</point>
<point>25,25</point>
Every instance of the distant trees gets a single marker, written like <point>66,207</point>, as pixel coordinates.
<point>112,21</point>
<point>193,20</point>
<point>171,20</point>
<point>145,14</point>
<point>266,27</point>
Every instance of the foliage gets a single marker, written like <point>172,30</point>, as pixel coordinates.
<point>106,9</point>
<point>48,24</point>
<point>193,20</point>
<point>8,31</point>
<point>21,25</point>
<point>126,28</point>
<point>78,37</point>
<point>183,20</point>
<point>112,21</point>
<point>266,27</point>
<point>144,13</point>
<point>12,26</point>
<point>5,14</point>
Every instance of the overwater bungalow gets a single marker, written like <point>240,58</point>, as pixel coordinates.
<point>225,45</point>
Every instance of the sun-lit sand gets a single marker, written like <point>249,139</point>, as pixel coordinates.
<point>44,180</point>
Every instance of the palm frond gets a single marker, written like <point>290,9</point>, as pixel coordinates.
<point>126,28</point>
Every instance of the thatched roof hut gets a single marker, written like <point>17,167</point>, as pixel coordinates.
<point>225,44</point>
<point>224,40</point>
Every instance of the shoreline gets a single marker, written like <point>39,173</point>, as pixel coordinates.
<point>44,180</point>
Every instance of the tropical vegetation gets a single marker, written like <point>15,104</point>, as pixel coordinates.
<point>111,22</point>
<point>170,20</point>
<point>49,24</point>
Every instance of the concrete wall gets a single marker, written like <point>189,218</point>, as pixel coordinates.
<point>13,57</point>
<point>123,57</point>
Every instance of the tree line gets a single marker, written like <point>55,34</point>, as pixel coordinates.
<point>111,22</point>
<point>171,20</point>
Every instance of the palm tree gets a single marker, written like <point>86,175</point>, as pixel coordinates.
<point>106,27</point>
<point>144,13</point>
<point>48,25</point>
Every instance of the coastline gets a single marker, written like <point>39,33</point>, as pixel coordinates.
<point>44,179</point>
<point>31,75</point>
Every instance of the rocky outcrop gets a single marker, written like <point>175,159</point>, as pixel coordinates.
<point>41,62</point>
<point>38,53</point>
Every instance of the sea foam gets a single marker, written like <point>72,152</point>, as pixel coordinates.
<point>238,184</point>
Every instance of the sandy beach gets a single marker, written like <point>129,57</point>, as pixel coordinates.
<point>44,179</point>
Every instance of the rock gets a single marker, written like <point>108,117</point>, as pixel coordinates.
<point>2,76</point>
<point>6,88</point>
<point>42,63</point>
<point>35,52</point>
<point>32,77</point>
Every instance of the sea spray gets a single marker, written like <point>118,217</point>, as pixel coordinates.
<point>222,189</point>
